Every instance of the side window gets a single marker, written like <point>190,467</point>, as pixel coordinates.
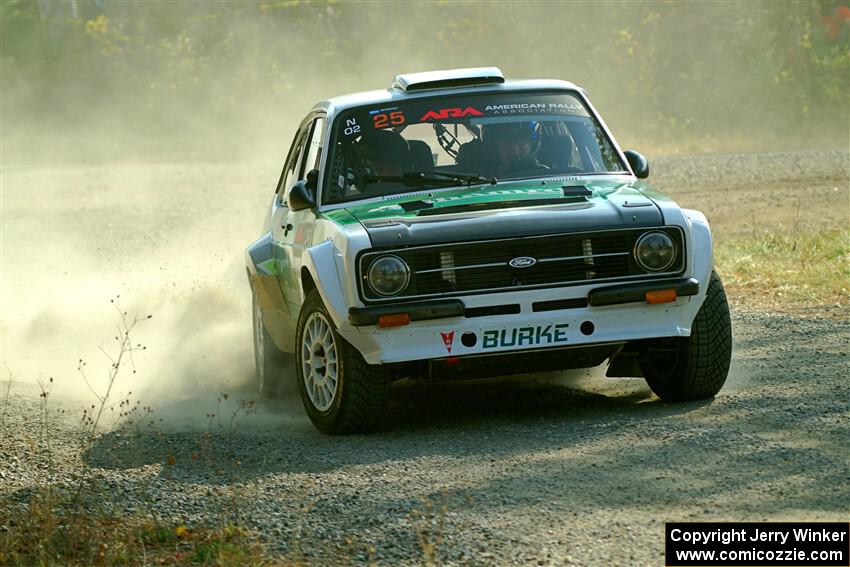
<point>287,178</point>
<point>313,154</point>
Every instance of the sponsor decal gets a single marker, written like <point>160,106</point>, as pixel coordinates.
<point>538,335</point>
<point>379,110</point>
<point>535,107</point>
<point>555,192</point>
<point>448,339</point>
<point>567,107</point>
<point>393,118</point>
<point>520,106</point>
<point>302,233</point>
<point>522,262</point>
<point>351,127</point>
<point>270,267</point>
<point>444,113</point>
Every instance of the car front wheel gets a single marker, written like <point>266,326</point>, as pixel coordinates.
<point>340,391</point>
<point>695,367</point>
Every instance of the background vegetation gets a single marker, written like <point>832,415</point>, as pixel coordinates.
<point>104,80</point>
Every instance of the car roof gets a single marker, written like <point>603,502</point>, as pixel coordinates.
<point>391,95</point>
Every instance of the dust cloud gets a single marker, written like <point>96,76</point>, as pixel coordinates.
<point>141,142</point>
<point>160,240</point>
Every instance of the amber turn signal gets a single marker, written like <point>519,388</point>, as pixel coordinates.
<point>661,296</point>
<point>394,320</point>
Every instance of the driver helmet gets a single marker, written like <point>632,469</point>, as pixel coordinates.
<point>514,142</point>
<point>527,131</point>
<point>385,152</point>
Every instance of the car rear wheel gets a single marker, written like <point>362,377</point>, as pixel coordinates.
<point>272,365</point>
<point>695,367</point>
<point>340,391</point>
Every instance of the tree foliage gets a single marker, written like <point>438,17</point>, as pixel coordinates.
<point>206,79</point>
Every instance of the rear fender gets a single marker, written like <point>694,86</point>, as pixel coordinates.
<point>263,276</point>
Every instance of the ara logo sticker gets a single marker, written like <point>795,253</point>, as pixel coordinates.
<point>448,339</point>
<point>444,113</point>
<point>539,335</point>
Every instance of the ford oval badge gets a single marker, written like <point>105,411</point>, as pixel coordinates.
<point>522,262</point>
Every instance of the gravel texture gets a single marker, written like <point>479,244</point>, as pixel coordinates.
<point>549,469</point>
<point>742,169</point>
<point>552,469</point>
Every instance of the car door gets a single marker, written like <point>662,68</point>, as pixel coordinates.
<point>292,231</point>
<point>284,327</point>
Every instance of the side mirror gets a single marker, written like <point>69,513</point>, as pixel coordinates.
<point>300,197</point>
<point>638,164</point>
<point>313,180</point>
<point>303,194</point>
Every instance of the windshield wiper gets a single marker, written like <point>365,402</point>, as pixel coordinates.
<point>468,178</point>
<point>441,178</point>
<point>410,180</point>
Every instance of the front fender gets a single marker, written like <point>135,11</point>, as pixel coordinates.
<point>326,266</point>
<point>702,248</point>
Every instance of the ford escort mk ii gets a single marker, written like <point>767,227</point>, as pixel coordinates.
<point>459,225</point>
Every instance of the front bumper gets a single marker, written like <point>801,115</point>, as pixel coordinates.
<point>591,315</point>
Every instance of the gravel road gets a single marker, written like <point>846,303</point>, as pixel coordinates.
<point>567,468</point>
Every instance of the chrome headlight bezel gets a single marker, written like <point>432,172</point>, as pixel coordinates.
<point>371,275</point>
<point>642,240</point>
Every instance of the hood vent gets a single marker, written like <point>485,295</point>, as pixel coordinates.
<point>576,191</point>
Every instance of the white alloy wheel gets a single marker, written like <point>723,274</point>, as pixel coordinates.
<point>340,391</point>
<point>319,361</point>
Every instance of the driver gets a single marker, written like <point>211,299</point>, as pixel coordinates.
<point>504,148</point>
<point>385,152</point>
<point>512,146</point>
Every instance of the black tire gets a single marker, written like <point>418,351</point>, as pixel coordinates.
<point>695,367</point>
<point>359,397</point>
<point>272,366</point>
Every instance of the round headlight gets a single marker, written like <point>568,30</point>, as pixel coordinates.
<point>388,275</point>
<point>655,251</point>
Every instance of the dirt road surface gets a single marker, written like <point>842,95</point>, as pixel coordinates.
<point>567,468</point>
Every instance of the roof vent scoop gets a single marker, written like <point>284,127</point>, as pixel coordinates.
<point>412,82</point>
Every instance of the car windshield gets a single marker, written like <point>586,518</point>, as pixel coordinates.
<point>386,149</point>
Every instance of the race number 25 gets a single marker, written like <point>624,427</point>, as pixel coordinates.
<point>393,118</point>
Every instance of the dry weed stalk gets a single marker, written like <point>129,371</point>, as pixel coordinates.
<point>92,416</point>
<point>54,527</point>
<point>5,394</point>
<point>429,526</point>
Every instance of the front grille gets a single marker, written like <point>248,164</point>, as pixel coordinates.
<point>483,266</point>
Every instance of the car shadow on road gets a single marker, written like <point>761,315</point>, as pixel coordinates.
<point>772,442</point>
<point>574,444</point>
<point>492,416</point>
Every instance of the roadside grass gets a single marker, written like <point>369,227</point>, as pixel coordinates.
<point>66,518</point>
<point>45,531</point>
<point>788,271</point>
<point>57,523</point>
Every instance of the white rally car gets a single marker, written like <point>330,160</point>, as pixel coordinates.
<point>459,225</point>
